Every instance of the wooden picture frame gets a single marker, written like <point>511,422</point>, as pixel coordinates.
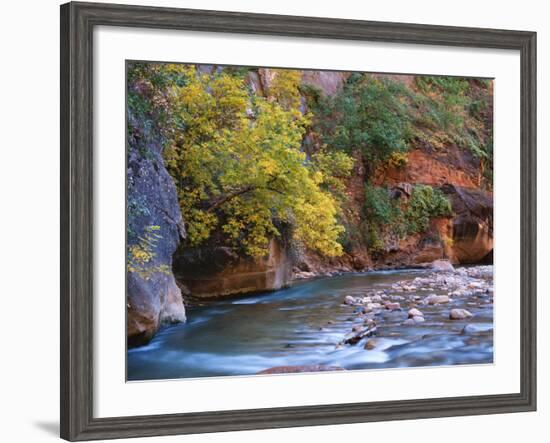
<point>77,23</point>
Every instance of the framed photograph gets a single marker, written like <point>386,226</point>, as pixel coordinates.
<point>272,221</point>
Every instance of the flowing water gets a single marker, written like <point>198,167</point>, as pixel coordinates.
<point>303,324</point>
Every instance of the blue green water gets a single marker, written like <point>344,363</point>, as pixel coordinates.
<point>303,324</point>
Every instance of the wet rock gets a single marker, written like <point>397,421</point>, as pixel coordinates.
<point>303,275</point>
<point>418,319</point>
<point>436,299</point>
<point>442,265</point>
<point>415,313</point>
<point>409,288</point>
<point>393,306</point>
<point>409,322</point>
<point>370,344</point>
<point>349,300</point>
<point>459,314</point>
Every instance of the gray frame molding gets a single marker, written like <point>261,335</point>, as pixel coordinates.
<point>77,23</point>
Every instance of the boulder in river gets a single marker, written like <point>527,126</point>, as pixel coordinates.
<point>349,300</point>
<point>442,265</point>
<point>393,306</point>
<point>370,344</point>
<point>436,299</point>
<point>459,314</point>
<point>415,313</point>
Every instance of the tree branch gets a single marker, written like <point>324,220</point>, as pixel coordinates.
<point>230,196</point>
<point>224,199</point>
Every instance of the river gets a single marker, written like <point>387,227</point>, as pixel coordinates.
<point>304,324</point>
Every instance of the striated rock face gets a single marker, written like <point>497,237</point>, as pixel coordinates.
<point>220,271</point>
<point>153,298</point>
<point>329,82</point>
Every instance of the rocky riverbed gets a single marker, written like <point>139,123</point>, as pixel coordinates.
<point>442,295</point>
<point>372,320</point>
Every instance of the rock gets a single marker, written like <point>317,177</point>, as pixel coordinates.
<point>459,314</point>
<point>349,300</point>
<point>476,285</point>
<point>376,298</point>
<point>418,319</point>
<point>328,82</point>
<point>415,313</point>
<point>370,344</point>
<point>472,224</point>
<point>152,296</point>
<point>436,299</point>
<point>300,368</point>
<point>302,275</point>
<point>393,306</point>
<point>215,271</point>
<point>409,322</point>
<point>442,265</point>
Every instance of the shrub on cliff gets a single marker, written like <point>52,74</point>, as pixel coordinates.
<point>455,110</point>
<point>371,114</point>
<point>385,215</point>
<point>425,203</point>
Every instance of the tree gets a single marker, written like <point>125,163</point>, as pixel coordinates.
<point>238,166</point>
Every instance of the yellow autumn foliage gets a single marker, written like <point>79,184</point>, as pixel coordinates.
<point>237,162</point>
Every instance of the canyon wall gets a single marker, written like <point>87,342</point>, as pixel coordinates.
<point>155,227</point>
<point>220,271</point>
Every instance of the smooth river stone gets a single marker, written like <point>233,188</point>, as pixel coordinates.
<point>459,314</point>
